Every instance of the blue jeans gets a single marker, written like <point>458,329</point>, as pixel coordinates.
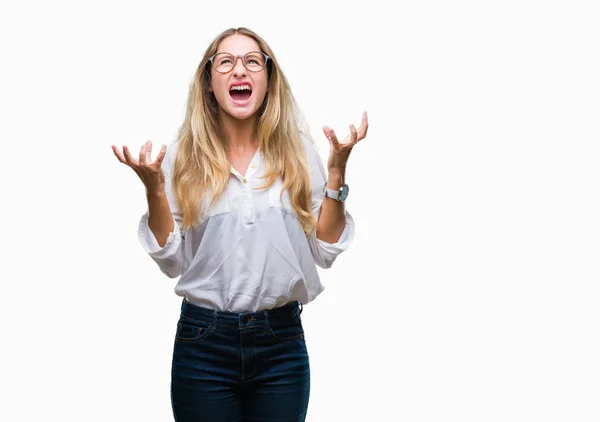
<point>240,367</point>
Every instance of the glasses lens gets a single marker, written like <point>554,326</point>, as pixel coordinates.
<point>254,61</point>
<point>223,62</point>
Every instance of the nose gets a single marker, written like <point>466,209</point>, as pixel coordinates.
<point>238,68</point>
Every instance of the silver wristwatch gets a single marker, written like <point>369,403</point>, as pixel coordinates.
<point>338,195</point>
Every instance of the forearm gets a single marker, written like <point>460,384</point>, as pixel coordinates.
<point>160,219</point>
<point>332,219</point>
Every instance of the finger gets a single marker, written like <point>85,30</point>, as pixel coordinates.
<point>353,135</point>
<point>128,158</point>
<point>364,126</point>
<point>148,152</point>
<point>142,156</point>
<point>330,134</point>
<point>159,158</point>
<point>118,154</point>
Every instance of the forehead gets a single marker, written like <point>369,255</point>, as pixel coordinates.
<point>237,44</point>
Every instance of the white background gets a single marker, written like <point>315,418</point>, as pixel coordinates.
<point>471,291</point>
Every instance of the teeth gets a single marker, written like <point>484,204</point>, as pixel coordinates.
<point>240,87</point>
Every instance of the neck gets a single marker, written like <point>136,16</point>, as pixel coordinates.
<point>239,135</point>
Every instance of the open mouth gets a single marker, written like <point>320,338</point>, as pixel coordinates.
<point>240,92</point>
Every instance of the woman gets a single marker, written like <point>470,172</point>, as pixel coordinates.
<point>241,209</point>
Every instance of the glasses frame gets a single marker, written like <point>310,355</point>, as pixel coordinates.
<point>241,56</point>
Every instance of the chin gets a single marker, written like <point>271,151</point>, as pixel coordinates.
<point>241,114</point>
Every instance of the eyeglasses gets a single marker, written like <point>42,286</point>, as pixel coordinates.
<point>254,61</point>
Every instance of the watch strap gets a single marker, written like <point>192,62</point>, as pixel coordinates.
<point>332,193</point>
<point>339,194</point>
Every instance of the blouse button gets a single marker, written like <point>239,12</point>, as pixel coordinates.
<point>245,181</point>
<point>253,166</point>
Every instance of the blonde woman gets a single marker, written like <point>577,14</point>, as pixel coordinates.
<point>241,209</point>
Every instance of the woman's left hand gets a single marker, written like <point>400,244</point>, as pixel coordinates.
<point>340,151</point>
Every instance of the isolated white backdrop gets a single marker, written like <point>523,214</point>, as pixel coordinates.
<point>471,290</point>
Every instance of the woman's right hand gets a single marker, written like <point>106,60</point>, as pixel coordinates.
<point>150,172</point>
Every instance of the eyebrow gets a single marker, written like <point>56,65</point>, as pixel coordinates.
<point>251,51</point>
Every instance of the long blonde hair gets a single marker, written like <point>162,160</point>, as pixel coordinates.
<point>201,165</point>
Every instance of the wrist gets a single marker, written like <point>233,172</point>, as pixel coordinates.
<point>335,178</point>
<point>155,193</point>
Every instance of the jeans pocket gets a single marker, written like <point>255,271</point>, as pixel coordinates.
<point>191,330</point>
<point>288,331</point>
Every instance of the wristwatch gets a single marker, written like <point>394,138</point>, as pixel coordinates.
<point>338,195</point>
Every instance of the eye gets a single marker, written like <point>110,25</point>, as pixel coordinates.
<point>254,59</point>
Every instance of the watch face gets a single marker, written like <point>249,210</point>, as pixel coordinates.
<point>344,192</point>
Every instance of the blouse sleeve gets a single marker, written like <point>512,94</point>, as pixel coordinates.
<point>170,257</point>
<point>324,254</point>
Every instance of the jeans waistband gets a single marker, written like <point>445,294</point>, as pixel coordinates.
<point>241,319</point>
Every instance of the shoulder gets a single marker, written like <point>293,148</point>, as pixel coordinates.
<point>310,146</point>
<point>170,156</point>
<point>315,162</point>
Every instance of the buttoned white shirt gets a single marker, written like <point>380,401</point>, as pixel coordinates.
<point>249,252</point>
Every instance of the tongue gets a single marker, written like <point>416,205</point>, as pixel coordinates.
<point>240,95</point>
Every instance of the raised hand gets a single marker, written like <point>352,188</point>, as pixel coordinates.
<point>340,151</point>
<point>149,172</point>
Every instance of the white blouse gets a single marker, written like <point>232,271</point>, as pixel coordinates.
<point>249,252</point>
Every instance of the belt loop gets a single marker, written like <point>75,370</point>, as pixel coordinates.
<point>266,314</point>
<point>215,313</point>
